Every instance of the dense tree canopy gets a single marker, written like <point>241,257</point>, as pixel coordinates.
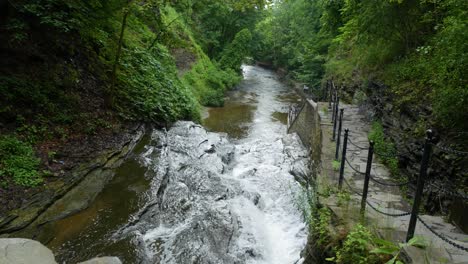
<point>417,47</point>
<point>73,69</point>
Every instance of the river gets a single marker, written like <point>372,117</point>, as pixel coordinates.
<point>221,193</point>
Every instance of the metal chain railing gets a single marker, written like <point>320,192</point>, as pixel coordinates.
<point>385,213</point>
<point>354,169</point>
<point>445,239</point>
<point>379,181</point>
<point>449,150</point>
<point>426,152</point>
<point>354,144</point>
<point>351,188</point>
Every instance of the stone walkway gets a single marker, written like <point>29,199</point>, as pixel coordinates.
<point>384,198</point>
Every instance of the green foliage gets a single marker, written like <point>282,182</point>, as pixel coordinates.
<point>209,82</point>
<point>435,71</point>
<point>336,165</point>
<point>320,226</point>
<point>384,147</point>
<point>306,202</point>
<point>289,36</point>
<point>31,96</point>
<point>57,14</point>
<point>343,197</point>
<point>327,191</point>
<point>18,162</point>
<point>150,89</point>
<point>385,247</point>
<point>359,97</point>
<point>217,22</point>
<point>18,29</point>
<point>356,247</point>
<point>418,48</point>
<point>147,86</point>
<point>234,53</point>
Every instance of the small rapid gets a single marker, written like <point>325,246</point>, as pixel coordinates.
<point>263,161</point>
<point>223,192</point>
<point>216,198</point>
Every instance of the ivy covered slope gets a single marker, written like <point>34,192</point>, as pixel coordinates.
<point>74,71</point>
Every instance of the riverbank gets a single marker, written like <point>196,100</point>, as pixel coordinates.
<point>72,163</point>
<point>232,185</point>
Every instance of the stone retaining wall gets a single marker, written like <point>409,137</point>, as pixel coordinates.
<point>307,126</point>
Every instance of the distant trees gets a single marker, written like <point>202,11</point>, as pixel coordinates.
<point>418,47</point>
<point>218,21</point>
<point>235,52</point>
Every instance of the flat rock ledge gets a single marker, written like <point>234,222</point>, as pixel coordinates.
<point>22,251</point>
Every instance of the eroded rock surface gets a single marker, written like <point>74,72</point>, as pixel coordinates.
<point>188,218</point>
<point>206,203</point>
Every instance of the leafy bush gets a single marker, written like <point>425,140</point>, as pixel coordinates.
<point>17,161</point>
<point>385,247</point>
<point>320,226</point>
<point>150,90</point>
<point>336,165</point>
<point>209,82</point>
<point>234,53</point>
<point>384,147</point>
<point>356,247</point>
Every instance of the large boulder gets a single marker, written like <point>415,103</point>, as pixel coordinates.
<point>24,251</point>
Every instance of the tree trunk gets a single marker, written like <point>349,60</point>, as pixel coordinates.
<point>119,51</point>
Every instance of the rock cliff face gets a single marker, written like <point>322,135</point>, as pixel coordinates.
<point>447,174</point>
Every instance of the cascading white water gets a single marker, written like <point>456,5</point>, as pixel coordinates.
<point>216,199</point>
<point>276,226</point>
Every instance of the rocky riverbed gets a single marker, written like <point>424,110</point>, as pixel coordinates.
<point>223,193</point>
<point>204,207</point>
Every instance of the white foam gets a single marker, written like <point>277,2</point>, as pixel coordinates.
<point>276,231</point>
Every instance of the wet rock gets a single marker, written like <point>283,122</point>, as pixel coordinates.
<point>79,197</point>
<point>21,251</point>
<point>75,192</point>
<point>187,217</point>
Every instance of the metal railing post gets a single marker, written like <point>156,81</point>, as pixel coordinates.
<point>367,177</point>
<point>420,186</point>
<point>338,139</point>
<point>329,94</point>
<point>337,102</point>
<point>343,158</point>
<point>333,108</point>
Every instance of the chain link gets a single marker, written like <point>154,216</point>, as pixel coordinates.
<point>352,143</point>
<point>373,178</point>
<point>354,169</point>
<point>388,214</point>
<point>351,188</point>
<point>442,236</point>
<point>451,151</point>
<point>386,183</point>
